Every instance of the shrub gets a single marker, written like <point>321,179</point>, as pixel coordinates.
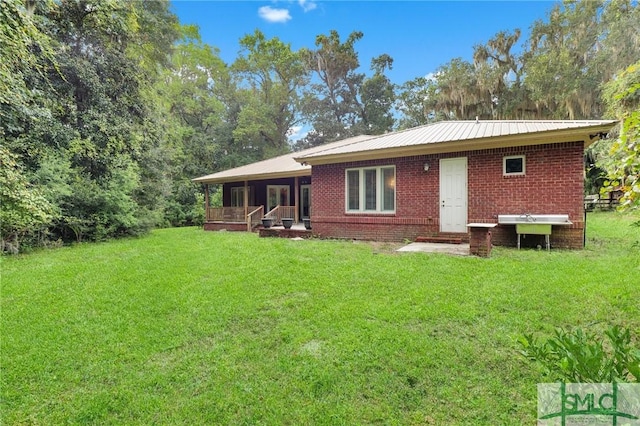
<point>23,208</point>
<point>582,357</point>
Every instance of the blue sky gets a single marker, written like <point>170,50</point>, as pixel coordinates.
<point>419,35</point>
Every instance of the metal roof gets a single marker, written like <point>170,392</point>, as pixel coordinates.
<point>440,137</point>
<point>456,136</point>
<point>282,166</point>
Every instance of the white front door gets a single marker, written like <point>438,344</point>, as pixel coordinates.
<point>453,194</point>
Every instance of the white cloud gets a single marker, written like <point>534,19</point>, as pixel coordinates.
<point>296,132</point>
<point>307,5</point>
<point>274,15</point>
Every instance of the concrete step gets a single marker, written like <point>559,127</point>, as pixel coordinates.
<point>444,239</point>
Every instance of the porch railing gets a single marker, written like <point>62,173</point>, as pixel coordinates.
<point>254,217</point>
<point>278,212</point>
<point>228,214</point>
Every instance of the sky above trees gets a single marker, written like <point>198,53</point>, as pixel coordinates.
<point>419,35</point>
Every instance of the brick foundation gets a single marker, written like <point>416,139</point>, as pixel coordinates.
<point>284,233</point>
<point>227,226</point>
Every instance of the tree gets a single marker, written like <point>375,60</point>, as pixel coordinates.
<point>497,72</point>
<point>580,46</point>
<point>457,95</point>
<point>341,102</point>
<point>417,101</point>
<point>190,89</point>
<point>23,208</point>
<point>24,50</point>
<point>274,75</point>
<point>86,130</point>
<point>619,44</point>
<point>332,105</point>
<point>565,66</point>
<point>378,95</point>
<point>188,97</point>
<point>622,95</point>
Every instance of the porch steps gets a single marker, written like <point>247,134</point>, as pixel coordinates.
<point>444,239</point>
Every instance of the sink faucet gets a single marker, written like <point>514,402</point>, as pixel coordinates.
<point>527,217</point>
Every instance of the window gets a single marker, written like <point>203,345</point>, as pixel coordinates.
<point>371,190</point>
<point>237,196</point>
<point>513,165</point>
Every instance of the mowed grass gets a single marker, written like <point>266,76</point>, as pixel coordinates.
<point>192,327</point>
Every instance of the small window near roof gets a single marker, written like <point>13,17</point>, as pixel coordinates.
<point>513,165</point>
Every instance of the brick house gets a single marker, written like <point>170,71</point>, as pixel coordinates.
<point>434,179</point>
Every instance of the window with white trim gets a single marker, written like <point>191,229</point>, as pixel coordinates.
<point>513,165</point>
<point>371,190</point>
<point>237,196</point>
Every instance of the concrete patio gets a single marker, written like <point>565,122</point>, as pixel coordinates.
<point>457,249</point>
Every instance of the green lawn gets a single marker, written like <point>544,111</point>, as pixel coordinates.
<point>192,327</point>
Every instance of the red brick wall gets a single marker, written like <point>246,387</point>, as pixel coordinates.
<point>480,241</point>
<point>553,184</point>
<point>227,226</point>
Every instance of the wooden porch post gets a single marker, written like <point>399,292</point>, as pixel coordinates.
<point>296,199</point>
<point>246,205</point>
<point>246,198</point>
<point>206,201</point>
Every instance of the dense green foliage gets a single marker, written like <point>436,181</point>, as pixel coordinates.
<point>622,161</point>
<point>582,357</point>
<point>190,327</point>
<point>23,208</point>
<point>108,109</point>
<point>81,134</point>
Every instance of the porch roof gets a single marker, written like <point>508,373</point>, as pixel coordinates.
<point>457,136</point>
<point>278,167</point>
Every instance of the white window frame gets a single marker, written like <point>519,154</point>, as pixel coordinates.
<point>514,157</point>
<point>361,190</point>
<point>239,197</point>
<point>278,188</point>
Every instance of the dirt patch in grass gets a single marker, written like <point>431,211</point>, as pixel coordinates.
<point>381,247</point>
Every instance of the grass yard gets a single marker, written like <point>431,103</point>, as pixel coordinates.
<point>192,327</point>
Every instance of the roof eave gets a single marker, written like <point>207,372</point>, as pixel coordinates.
<point>259,176</point>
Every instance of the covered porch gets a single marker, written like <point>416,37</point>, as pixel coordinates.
<point>247,219</point>
<point>247,203</point>
<point>278,187</point>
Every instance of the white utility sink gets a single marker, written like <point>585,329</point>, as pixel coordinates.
<point>551,219</point>
<point>534,224</point>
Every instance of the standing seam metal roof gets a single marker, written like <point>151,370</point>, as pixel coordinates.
<point>294,164</point>
<point>275,167</point>
<point>451,131</point>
